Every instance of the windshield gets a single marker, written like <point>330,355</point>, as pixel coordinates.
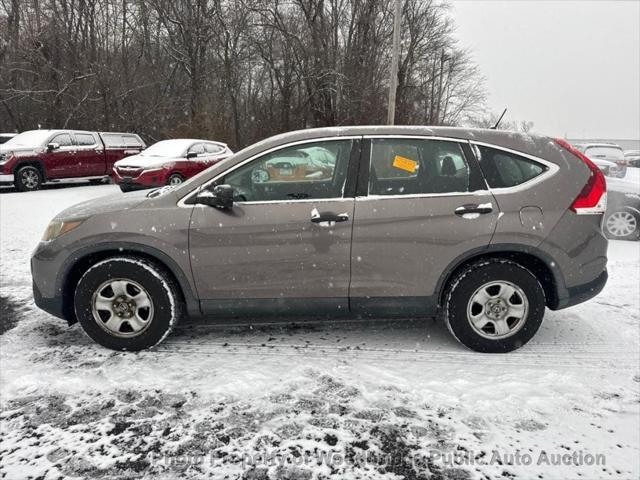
<point>28,139</point>
<point>604,152</point>
<point>167,148</point>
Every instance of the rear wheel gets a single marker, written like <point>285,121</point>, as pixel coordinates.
<point>175,179</point>
<point>28,178</point>
<point>126,303</point>
<point>621,225</point>
<point>494,306</point>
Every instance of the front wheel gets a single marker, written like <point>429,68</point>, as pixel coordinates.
<point>127,303</point>
<point>621,225</point>
<point>28,178</point>
<point>175,179</point>
<point>494,306</point>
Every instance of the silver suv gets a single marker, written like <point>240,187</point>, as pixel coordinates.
<point>486,228</point>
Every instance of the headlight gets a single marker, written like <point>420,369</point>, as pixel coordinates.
<point>5,157</point>
<point>57,228</point>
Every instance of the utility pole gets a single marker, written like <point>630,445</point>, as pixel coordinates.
<point>395,60</point>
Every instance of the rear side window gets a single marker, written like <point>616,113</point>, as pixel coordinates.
<point>504,169</point>
<point>85,139</point>
<point>416,166</point>
<point>131,141</point>
<point>213,148</point>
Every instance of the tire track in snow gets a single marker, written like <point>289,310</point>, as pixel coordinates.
<point>607,360</point>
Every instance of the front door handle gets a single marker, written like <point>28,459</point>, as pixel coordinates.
<point>328,218</point>
<point>474,208</point>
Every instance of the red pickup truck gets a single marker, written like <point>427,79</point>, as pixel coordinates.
<point>37,156</point>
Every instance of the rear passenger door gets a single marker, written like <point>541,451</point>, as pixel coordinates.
<point>89,155</point>
<point>421,204</point>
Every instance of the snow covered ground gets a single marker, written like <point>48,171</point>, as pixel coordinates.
<point>350,399</point>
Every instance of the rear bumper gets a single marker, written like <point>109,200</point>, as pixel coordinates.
<point>7,179</point>
<point>581,293</point>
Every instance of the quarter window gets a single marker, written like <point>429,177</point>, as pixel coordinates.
<point>416,166</point>
<point>504,169</point>
<point>307,171</point>
<point>212,148</point>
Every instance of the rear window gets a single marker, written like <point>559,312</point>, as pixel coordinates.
<point>504,169</point>
<point>604,152</point>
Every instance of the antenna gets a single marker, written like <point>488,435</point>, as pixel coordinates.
<point>495,127</point>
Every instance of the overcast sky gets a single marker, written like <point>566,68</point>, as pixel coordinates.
<point>571,67</point>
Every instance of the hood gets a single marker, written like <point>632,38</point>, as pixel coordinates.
<point>142,161</point>
<point>17,149</point>
<point>100,205</point>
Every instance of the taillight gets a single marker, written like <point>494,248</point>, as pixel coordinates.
<point>593,197</point>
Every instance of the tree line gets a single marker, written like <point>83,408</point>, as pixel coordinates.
<point>235,71</point>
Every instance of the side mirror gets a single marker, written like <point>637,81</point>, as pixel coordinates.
<point>192,154</point>
<point>220,197</point>
<point>52,146</point>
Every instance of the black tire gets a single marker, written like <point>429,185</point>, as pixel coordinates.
<point>28,178</point>
<point>175,177</point>
<point>616,231</point>
<point>470,280</point>
<point>166,305</point>
<point>96,181</point>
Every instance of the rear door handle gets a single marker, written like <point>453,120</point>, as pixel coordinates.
<point>328,217</point>
<point>474,208</point>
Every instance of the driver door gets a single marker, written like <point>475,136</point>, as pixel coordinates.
<point>285,245</point>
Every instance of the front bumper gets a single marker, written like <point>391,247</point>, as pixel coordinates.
<point>6,179</point>
<point>146,179</point>
<point>44,271</point>
<point>49,305</point>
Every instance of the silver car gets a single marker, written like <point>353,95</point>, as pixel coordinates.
<point>482,227</point>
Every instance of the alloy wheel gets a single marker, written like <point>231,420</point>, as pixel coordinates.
<point>30,178</point>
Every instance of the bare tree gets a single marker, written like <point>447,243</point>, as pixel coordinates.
<point>236,71</point>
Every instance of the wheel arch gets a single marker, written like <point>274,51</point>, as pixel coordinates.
<point>82,261</point>
<point>533,259</point>
<point>33,162</point>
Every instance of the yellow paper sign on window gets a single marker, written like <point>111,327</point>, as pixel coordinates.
<point>405,164</point>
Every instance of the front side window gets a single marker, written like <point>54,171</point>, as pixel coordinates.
<point>198,149</point>
<point>417,166</point>
<point>306,171</point>
<point>504,169</point>
<point>64,140</point>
